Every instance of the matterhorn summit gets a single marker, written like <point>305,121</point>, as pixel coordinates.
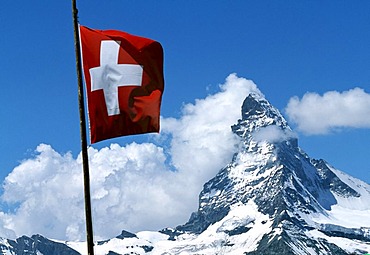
<point>272,198</point>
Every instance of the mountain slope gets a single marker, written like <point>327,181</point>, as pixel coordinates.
<point>35,245</point>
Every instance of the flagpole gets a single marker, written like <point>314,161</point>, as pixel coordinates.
<point>85,159</point>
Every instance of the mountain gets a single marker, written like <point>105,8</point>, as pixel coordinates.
<point>272,198</point>
<point>35,245</point>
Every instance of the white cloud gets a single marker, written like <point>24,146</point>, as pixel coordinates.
<point>205,128</point>
<point>316,114</point>
<point>273,134</point>
<point>132,186</point>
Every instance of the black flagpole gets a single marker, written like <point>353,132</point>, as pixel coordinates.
<point>85,159</point>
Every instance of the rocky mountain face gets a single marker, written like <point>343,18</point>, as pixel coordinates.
<point>300,200</point>
<point>272,198</point>
<point>34,245</point>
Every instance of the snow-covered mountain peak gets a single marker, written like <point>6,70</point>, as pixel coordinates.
<point>295,192</point>
<point>256,113</point>
<point>255,107</point>
<point>262,123</point>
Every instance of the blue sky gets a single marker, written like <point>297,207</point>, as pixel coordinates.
<point>286,48</point>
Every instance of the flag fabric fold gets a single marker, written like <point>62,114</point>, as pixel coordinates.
<point>124,82</point>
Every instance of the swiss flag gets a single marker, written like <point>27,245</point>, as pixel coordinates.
<point>124,82</point>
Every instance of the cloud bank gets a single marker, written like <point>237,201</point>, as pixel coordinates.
<point>316,114</point>
<point>134,187</point>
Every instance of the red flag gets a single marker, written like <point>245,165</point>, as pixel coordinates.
<point>124,82</point>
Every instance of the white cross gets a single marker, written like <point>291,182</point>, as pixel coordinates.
<point>110,75</point>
